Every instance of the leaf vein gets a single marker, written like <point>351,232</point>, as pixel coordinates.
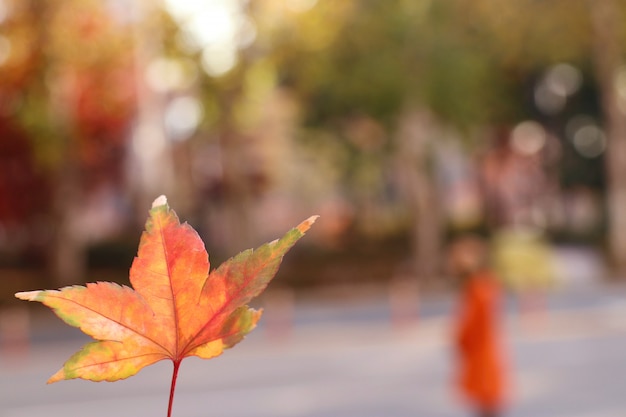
<point>118,360</point>
<point>113,320</point>
<point>249,277</point>
<point>169,276</point>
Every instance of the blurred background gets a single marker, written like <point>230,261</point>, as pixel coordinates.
<point>403,123</point>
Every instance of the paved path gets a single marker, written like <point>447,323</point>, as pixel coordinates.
<point>348,361</point>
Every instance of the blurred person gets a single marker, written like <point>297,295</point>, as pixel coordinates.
<point>481,374</point>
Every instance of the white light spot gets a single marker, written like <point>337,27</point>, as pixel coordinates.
<point>164,75</point>
<point>589,141</point>
<point>528,138</point>
<point>564,79</point>
<point>218,60</point>
<point>210,21</point>
<point>549,101</point>
<point>182,117</point>
<point>214,26</point>
<point>218,28</point>
<point>558,83</point>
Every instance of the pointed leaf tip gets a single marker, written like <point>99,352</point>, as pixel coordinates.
<point>306,225</point>
<point>27,295</point>
<point>160,201</point>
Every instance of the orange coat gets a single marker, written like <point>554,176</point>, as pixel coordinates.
<point>481,376</point>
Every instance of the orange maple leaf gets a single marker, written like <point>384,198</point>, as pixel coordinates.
<point>175,309</point>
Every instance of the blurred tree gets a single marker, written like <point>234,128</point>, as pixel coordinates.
<point>69,83</point>
<point>414,68</point>
<point>455,63</point>
<point>377,85</point>
<point>527,34</point>
<point>226,162</point>
<point>24,193</point>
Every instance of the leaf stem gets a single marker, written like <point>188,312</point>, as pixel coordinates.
<point>173,386</point>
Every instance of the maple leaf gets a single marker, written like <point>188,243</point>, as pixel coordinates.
<point>175,309</point>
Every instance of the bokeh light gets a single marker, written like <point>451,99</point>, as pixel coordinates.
<point>182,117</point>
<point>557,84</point>
<point>164,75</point>
<point>528,138</point>
<point>218,28</point>
<point>589,141</point>
<point>587,138</point>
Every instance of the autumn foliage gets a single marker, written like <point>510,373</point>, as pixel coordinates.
<point>176,308</point>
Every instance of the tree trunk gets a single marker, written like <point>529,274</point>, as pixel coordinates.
<point>416,132</point>
<point>67,257</point>
<point>607,61</point>
<point>65,250</point>
<point>237,190</point>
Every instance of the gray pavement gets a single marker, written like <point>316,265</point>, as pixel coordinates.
<point>349,359</point>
